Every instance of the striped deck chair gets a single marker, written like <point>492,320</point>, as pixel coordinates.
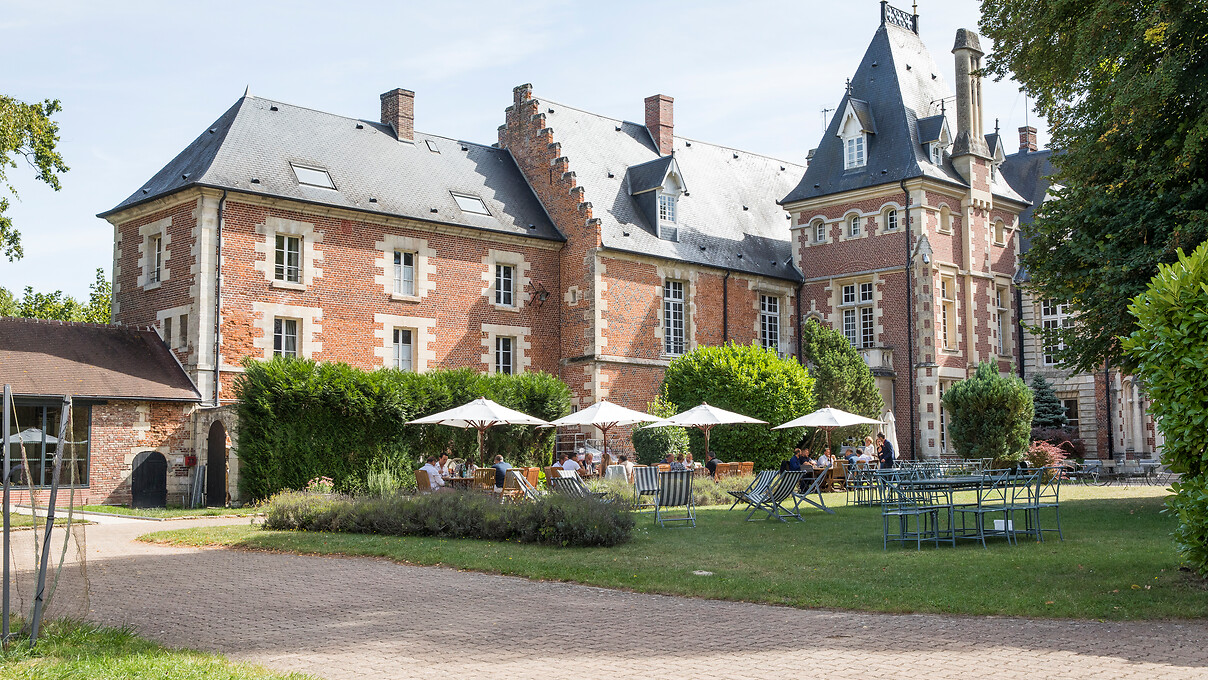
<point>758,488</point>
<point>814,489</point>
<point>516,487</point>
<point>675,490</point>
<point>574,487</point>
<point>645,483</point>
<point>782,490</point>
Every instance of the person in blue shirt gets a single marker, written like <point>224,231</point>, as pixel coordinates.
<point>501,471</point>
<point>800,459</point>
<point>887,454</point>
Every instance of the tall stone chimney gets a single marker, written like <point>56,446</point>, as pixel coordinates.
<point>398,111</point>
<point>969,135</point>
<point>660,120</point>
<point>1027,139</point>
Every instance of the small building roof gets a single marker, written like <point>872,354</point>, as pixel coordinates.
<point>84,360</point>
<point>252,147</point>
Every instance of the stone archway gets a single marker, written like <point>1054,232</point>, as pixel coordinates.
<point>216,465</point>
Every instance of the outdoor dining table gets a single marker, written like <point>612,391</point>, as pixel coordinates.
<point>460,482</point>
<point>954,483</point>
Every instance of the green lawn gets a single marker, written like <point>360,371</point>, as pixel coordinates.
<point>170,513</point>
<point>70,649</point>
<point>20,521</point>
<point>1117,561</point>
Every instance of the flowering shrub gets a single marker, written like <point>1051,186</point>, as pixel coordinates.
<point>321,485</point>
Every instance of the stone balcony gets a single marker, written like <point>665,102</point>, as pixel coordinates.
<point>879,359</point>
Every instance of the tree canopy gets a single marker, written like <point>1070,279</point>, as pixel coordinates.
<point>26,130</point>
<point>842,379</point>
<point>1124,85</point>
<point>990,416</point>
<point>58,306</point>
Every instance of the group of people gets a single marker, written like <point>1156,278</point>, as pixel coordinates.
<point>440,469</point>
<point>881,452</point>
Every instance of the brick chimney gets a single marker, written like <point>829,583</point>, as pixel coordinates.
<point>398,111</point>
<point>1027,139</point>
<point>660,120</point>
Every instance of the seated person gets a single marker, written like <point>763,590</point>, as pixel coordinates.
<point>570,464</point>
<point>868,454</point>
<point>800,459</point>
<point>434,476</point>
<point>825,460</point>
<point>442,464</point>
<point>501,471</point>
<point>677,465</point>
<point>711,463</point>
<point>628,466</point>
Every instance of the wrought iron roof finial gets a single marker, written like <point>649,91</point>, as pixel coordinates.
<point>849,87</point>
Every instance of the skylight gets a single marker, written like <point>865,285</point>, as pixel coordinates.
<point>432,146</point>
<point>314,177</point>
<point>471,204</point>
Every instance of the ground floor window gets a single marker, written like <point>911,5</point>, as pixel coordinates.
<point>1071,412</point>
<point>35,439</point>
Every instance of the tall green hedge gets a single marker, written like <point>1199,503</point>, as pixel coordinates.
<point>1168,346</point>
<point>299,419</point>
<point>750,380</point>
<point>990,416</point>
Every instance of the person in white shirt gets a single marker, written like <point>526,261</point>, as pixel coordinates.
<point>824,461</point>
<point>570,465</point>
<point>628,466</point>
<point>869,453</point>
<point>434,476</point>
<point>442,465</point>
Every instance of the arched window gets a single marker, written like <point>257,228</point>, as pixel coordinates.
<point>853,226</point>
<point>819,231</point>
<point>891,219</point>
<point>945,218</point>
<point>999,233</point>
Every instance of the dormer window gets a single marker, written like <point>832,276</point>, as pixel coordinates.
<point>856,125</point>
<point>667,208</point>
<point>854,156</point>
<point>937,154</point>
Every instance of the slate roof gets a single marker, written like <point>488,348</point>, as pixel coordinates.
<point>648,175</point>
<point>901,84</point>
<point>258,139</point>
<point>727,219</point>
<point>931,129</point>
<point>1029,174</point>
<point>101,361</point>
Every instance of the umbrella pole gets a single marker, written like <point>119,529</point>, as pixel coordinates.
<point>482,442</point>
<point>707,429</point>
<point>604,441</point>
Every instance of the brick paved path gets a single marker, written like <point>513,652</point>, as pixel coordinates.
<point>369,618</point>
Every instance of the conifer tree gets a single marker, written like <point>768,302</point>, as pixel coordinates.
<point>1049,411</point>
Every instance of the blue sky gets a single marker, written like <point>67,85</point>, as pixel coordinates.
<point>140,80</point>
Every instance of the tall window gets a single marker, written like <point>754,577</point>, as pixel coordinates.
<point>34,431</point>
<point>999,235</point>
<point>859,325</point>
<point>937,154</point>
<point>504,282</point>
<point>819,231</point>
<point>504,355</point>
<point>1052,317</point>
<point>1071,412</point>
<point>289,259</point>
<point>168,332</point>
<point>673,317</point>
<point>943,423</point>
<point>945,218</point>
<point>853,226</point>
<point>403,349</point>
<point>947,312</point>
<point>891,219</point>
<point>404,273</point>
<point>854,156</point>
<point>182,330</point>
<point>667,208</point>
<point>1004,315</point>
<point>285,337</point>
<point>769,322</point>
<point>157,258</point>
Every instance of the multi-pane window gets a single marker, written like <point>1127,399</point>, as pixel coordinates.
<point>289,259</point>
<point>937,154</point>
<point>168,332</point>
<point>285,337</point>
<point>769,322</point>
<point>667,208</point>
<point>859,324</point>
<point>819,231</point>
<point>673,317</point>
<point>947,312</point>
<point>504,355</point>
<point>1071,412</point>
<point>853,226</point>
<point>1004,315</point>
<point>943,423</point>
<point>855,152</point>
<point>404,273</point>
<point>504,285</point>
<point>891,219</point>
<point>403,349</point>
<point>34,432</point>
<point>1052,317</point>
<point>157,259</point>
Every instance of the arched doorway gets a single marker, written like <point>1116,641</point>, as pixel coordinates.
<point>216,465</point>
<point>149,480</point>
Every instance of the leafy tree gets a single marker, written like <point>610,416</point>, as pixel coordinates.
<point>1124,85</point>
<point>990,416</point>
<point>26,130</point>
<point>1168,346</point>
<point>59,306</point>
<point>842,379</point>
<point>652,444</point>
<point>750,380</point>
<point>1049,411</point>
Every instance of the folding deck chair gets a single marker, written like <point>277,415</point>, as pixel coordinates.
<point>758,488</point>
<point>782,489</point>
<point>675,490</point>
<point>645,483</point>
<point>815,489</point>
<point>574,487</point>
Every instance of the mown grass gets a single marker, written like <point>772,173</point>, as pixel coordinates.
<point>22,521</point>
<point>170,513</point>
<point>1117,561</point>
<point>72,649</point>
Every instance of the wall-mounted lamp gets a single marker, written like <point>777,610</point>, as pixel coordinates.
<point>926,258</point>
<point>538,294</point>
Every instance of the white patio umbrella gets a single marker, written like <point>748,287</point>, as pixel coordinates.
<point>828,419</point>
<point>605,415</point>
<point>479,414</point>
<point>705,417</point>
<point>33,435</point>
<point>891,431</point>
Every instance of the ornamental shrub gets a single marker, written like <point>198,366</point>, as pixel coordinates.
<point>652,444</point>
<point>746,379</point>
<point>1048,409</point>
<point>990,416</point>
<point>842,379</point>
<point>299,419</point>
<point>552,520</point>
<point>1168,348</point>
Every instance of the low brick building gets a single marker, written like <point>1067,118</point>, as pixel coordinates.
<point>132,404</point>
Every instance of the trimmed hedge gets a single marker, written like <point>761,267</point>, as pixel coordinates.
<point>299,419</point>
<point>746,379</point>
<point>552,520</point>
<point>990,416</point>
<point>652,444</point>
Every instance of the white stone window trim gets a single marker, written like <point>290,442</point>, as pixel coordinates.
<point>174,313</point>
<point>425,270</point>
<point>146,255</point>
<point>999,236</point>
<point>521,346</point>
<point>266,251</point>
<point>954,320</point>
<point>520,278</point>
<point>688,277</point>
<point>856,306</point>
<point>310,327</point>
<point>845,226</point>
<point>423,339</point>
<point>899,215</point>
<point>942,225</point>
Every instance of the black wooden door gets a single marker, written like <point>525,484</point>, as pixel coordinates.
<point>149,481</point>
<point>216,465</point>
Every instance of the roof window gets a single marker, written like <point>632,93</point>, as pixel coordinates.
<point>432,146</point>
<point>313,177</point>
<point>471,204</point>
